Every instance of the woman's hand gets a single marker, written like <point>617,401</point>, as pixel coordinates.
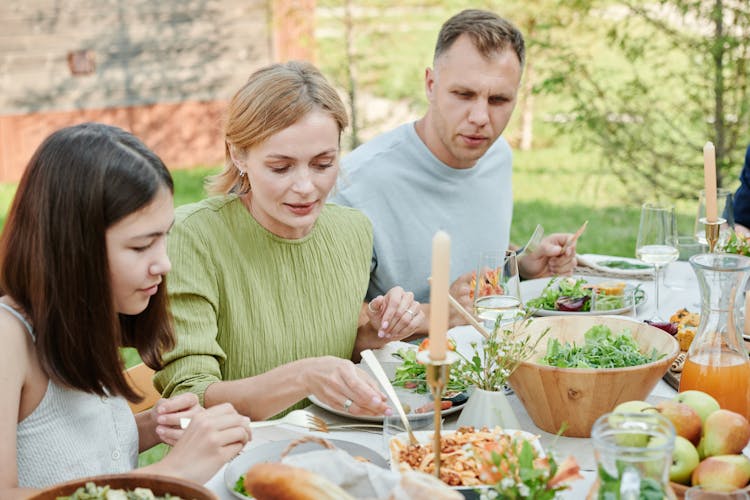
<point>396,315</point>
<point>168,412</point>
<point>214,437</point>
<point>340,384</point>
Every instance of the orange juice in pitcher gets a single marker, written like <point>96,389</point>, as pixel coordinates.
<point>717,362</point>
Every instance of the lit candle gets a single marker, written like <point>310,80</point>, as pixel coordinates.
<point>439,285</point>
<point>709,176</point>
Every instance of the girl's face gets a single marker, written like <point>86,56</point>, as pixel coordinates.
<point>137,253</point>
<point>291,174</point>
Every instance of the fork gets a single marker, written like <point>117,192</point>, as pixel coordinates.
<point>298,418</point>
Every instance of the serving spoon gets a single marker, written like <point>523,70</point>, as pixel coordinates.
<point>377,370</point>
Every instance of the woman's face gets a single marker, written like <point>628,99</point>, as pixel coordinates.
<point>291,174</point>
<point>137,253</point>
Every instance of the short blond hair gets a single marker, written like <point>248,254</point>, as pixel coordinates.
<point>274,98</point>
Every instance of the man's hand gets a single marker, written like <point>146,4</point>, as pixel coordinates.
<point>549,259</point>
<point>461,291</point>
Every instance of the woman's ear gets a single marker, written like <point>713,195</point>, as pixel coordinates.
<point>236,156</point>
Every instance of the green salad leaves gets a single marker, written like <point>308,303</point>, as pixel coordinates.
<point>601,349</point>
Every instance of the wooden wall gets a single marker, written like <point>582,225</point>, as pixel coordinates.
<point>162,68</point>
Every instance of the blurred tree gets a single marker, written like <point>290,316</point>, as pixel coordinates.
<point>678,78</point>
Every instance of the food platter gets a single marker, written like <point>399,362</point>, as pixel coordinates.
<point>426,438</point>
<point>531,289</point>
<point>271,452</point>
<point>406,396</point>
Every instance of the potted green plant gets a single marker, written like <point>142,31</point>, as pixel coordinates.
<point>487,369</point>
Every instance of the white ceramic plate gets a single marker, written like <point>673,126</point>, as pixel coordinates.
<point>427,437</point>
<point>532,289</point>
<point>271,452</point>
<point>598,262</point>
<point>406,396</point>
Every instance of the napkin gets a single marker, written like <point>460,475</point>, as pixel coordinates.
<point>588,266</point>
<point>364,480</point>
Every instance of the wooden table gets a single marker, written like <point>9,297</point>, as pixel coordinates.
<point>671,300</point>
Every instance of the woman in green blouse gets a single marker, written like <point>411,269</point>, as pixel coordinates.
<point>268,281</point>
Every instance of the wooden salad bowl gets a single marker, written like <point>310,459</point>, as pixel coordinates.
<point>159,485</point>
<point>576,397</point>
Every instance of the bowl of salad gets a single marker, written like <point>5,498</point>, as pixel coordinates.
<point>587,365</point>
<point>133,486</point>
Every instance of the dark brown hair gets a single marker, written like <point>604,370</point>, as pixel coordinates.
<point>53,255</point>
<point>273,98</point>
<point>489,32</point>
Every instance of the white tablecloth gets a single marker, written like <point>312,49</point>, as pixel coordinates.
<point>685,295</point>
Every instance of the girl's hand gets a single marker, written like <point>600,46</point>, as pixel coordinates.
<point>168,412</point>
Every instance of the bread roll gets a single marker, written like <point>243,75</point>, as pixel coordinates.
<point>277,481</point>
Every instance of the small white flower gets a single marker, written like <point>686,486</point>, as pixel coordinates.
<point>523,490</point>
<point>507,482</point>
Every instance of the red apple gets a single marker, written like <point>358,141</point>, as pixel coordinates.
<point>722,473</point>
<point>686,421</point>
<point>725,433</point>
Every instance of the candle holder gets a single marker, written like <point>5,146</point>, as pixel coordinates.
<point>712,231</point>
<point>438,372</point>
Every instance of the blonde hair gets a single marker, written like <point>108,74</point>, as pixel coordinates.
<point>274,98</point>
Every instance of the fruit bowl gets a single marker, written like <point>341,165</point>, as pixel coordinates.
<point>576,397</point>
<point>680,490</point>
<point>159,485</point>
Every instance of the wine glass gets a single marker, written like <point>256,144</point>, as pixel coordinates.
<point>657,241</point>
<point>497,290</point>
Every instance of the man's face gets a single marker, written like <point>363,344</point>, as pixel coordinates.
<point>471,100</point>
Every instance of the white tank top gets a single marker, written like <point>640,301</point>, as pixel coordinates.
<point>73,434</point>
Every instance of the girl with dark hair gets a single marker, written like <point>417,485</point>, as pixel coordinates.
<point>82,264</point>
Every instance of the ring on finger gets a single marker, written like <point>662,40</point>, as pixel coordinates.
<point>348,404</point>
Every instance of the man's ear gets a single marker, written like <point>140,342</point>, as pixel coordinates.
<point>429,82</point>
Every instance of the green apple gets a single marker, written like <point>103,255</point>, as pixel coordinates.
<point>725,433</point>
<point>722,473</point>
<point>619,414</point>
<point>703,404</point>
<point>684,460</point>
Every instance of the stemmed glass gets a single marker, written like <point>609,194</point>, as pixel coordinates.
<point>497,290</point>
<point>657,241</point>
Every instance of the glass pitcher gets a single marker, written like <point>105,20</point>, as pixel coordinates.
<point>633,454</point>
<point>717,362</point>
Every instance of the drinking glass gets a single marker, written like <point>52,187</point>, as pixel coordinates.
<point>676,278</point>
<point>393,426</point>
<point>725,210</point>
<point>657,242</point>
<point>497,292</point>
<point>602,302</point>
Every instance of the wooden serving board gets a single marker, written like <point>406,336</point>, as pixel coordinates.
<point>673,379</point>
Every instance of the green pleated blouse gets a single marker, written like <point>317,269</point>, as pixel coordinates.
<point>245,301</point>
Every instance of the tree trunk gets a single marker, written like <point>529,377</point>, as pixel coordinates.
<point>718,54</point>
<point>527,109</point>
<point>351,70</point>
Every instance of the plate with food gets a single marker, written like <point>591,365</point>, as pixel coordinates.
<point>234,474</point>
<point>482,458</point>
<point>410,382</point>
<point>563,296</point>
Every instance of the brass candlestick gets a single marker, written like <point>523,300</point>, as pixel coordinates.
<point>438,372</point>
<point>712,231</point>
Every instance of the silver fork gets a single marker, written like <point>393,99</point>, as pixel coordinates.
<point>298,418</point>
